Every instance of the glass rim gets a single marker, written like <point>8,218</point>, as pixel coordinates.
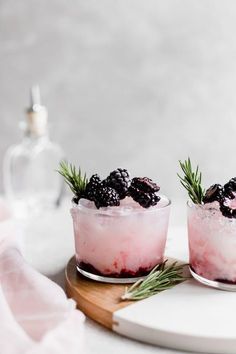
<point>191,204</point>
<point>206,210</point>
<point>114,211</point>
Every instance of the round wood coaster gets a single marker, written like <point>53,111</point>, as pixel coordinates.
<point>97,300</point>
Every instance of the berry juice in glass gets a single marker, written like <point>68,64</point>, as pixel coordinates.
<point>212,246</point>
<point>119,244</point>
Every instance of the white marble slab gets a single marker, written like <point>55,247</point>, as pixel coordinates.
<point>190,317</point>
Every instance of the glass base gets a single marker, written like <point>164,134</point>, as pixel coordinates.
<point>213,283</point>
<point>107,279</point>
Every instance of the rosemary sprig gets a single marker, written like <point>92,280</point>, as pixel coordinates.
<point>192,181</point>
<point>73,177</point>
<point>162,277</point>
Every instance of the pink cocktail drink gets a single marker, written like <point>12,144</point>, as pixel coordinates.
<point>212,243</point>
<point>123,242</point>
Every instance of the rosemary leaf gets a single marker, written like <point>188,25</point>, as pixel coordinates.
<point>161,277</point>
<point>75,179</point>
<point>191,181</point>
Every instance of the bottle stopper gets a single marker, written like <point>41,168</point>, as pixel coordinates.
<point>37,114</point>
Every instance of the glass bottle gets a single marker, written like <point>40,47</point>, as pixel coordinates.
<point>31,183</point>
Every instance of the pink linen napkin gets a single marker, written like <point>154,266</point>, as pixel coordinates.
<point>35,315</point>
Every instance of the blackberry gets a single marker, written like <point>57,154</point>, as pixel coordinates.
<point>229,193</point>
<point>106,196</point>
<point>214,193</point>
<point>119,180</point>
<point>142,190</point>
<point>229,188</point>
<point>143,198</point>
<point>227,211</point>
<point>92,186</point>
<point>145,184</point>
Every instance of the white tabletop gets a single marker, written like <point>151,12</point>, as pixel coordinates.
<point>48,244</point>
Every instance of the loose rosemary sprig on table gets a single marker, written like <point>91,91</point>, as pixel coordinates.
<point>192,181</point>
<point>162,277</point>
<point>73,177</point>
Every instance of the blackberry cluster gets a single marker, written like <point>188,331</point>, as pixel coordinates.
<point>117,186</point>
<point>120,181</point>
<point>143,191</point>
<point>220,194</point>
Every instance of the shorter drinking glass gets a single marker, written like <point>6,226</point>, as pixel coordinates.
<point>212,246</point>
<point>119,244</point>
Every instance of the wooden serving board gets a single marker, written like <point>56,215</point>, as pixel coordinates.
<point>97,300</point>
<point>189,316</point>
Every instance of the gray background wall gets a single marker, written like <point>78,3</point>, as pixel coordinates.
<point>132,83</point>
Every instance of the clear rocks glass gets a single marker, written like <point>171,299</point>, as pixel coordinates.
<point>212,246</point>
<point>119,244</point>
